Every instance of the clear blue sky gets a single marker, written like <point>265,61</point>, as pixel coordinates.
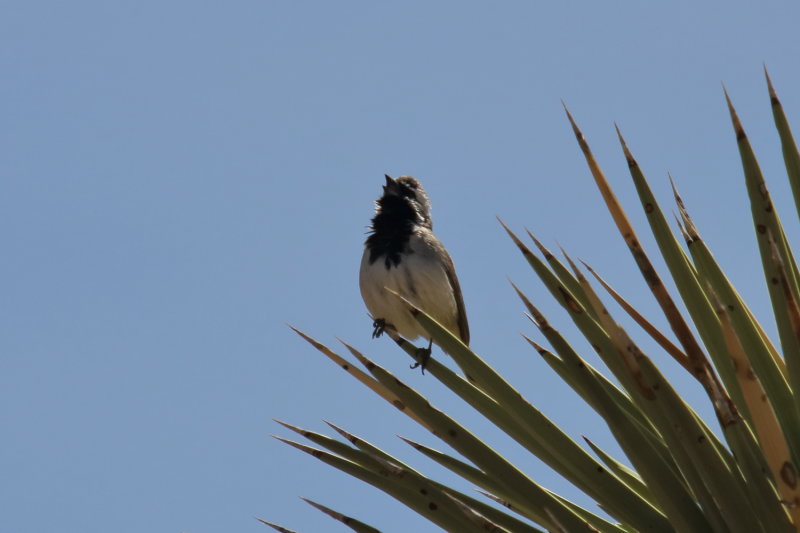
<point>179,179</point>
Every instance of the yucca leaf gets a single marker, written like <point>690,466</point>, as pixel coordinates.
<point>415,493</point>
<point>688,457</point>
<point>628,349</point>
<point>365,379</point>
<point>571,460</point>
<point>572,284</point>
<point>571,372</point>
<point>562,453</point>
<point>661,339</point>
<point>475,517</point>
<point>629,476</point>
<point>699,363</point>
<point>760,490</point>
<point>595,334</point>
<point>539,430</point>
<point>687,434</point>
<point>593,519</point>
<point>768,226</point>
<point>632,380</point>
<point>479,478</point>
<point>572,365</point>
<point>340,448</point>
<point>649,456</point>
<point>791,348</point>
<point>529,497</point>
<point>365,446</point>
<point>349,521</point>
<point>791,156</point>
<point>754,345</point>
<point>276,527</point>
<point>773,445</point>
<point>378,461</point>
<point>684,275</point>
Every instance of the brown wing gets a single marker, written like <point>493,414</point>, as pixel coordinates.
<point>463,326</point>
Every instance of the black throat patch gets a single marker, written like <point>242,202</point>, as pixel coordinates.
<point>391,229</point>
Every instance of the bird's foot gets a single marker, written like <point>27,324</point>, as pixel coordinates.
<point>380,326</point>
<point>423,355</point>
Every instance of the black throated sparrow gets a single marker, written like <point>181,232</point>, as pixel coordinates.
<point>404,255</point>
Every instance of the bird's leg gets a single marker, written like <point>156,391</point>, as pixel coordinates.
<point>380,326</point>
<point>423,354</point>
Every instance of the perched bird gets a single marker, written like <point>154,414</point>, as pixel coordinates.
<point>402,254</point>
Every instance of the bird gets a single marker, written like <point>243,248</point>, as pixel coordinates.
<point>401,253</point>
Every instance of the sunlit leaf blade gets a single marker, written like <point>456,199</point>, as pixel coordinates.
<point>376,462</point>
<point>611,356</point>
<point>594,332</point>
<point>668,494</point>
<point>380,462</point>
<point>699,363</point>
<point>571,366</point>
<point>573,461</point>
<point>645,450</point>
<point>791,349</point>
<point>530,498</point>
<point>570,281</point>
<point>688,435</point>
<point>773,443</point>
<point>349,521</point>
<point>365,446</point>
<point>414,491</point>
<point>631,477</point>
<point>692,459</point>
<point>276,527</point>
<point>538,435</point>
<point>489,408</point>
<point>767,226</point>
<point>645,324</point>
<point>754,345</point>
<point>699,366</point>
<point>791,156</point>
<point>684,275</point>
<point>593,519</point>
<point>587,325</point>
<point>479,478</point>
<point>483,523</point>
<point>760,489</point>
<point>365,379</point>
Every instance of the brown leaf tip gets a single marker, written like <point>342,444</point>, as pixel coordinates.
<point>536,346</point>
<point>737,125</point>
<point>773,97</point>
<point>411,443</point>
<point>575,128</point>
<point>628,155</point>
<point>545,252</point>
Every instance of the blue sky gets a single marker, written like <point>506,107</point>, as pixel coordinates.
<point>180,179</point>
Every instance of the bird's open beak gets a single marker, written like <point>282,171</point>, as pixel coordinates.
<point>391,186</point>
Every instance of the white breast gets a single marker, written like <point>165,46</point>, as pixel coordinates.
<point>421,278</point>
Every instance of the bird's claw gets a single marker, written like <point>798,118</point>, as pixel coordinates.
<point>380,326</point>
<point>423,355</point>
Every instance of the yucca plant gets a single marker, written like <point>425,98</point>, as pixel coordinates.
<point>680,475</point>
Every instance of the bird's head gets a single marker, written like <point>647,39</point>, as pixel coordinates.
<point>410,191</point>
